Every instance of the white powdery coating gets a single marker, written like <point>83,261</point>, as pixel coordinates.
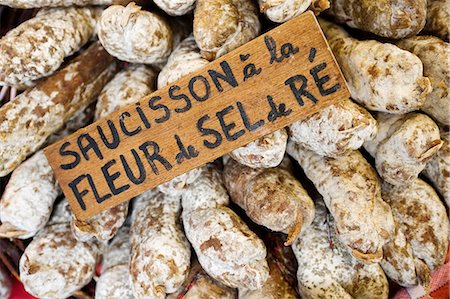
<point>438,18</point>
<point>438,169</point>
<point>135,35</point>
<point>175,7</point>
<point>351,191</point>
<point>114,284</point>
<point>199,285</point>
<point>335,130</point>
<point>398,260</point>
<point>381,77</point>
<point>37,47</point>
<point>265,152</point>
<point>52,3</point>
<point>178,185</point>
<point>404,146</point>
<point>5,284</point>
<point>102,226</point>
<point>160,253</point>
<point>333,273</point>
<point>393,19</point>
<point>275,286</point>
<point>27,201</point>
<point>226,248</point>
<point>272,197</point>
<point>114,281</point>
<point>185,59</point>
<point>281,11</point>
<point>127,87</point>
<point>55,264</point>
<point>30,118</point>
<point>223,25</point>
<point>422,218</point>
<point>208,191</point>
<point>431,50</point>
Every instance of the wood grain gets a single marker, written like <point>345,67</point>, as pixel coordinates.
<point>239,109</point>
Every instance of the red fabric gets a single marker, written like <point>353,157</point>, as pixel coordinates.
<point>440,285</point>
<point>18,292</point>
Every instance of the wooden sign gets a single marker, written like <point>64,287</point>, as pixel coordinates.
<point>272,81</point>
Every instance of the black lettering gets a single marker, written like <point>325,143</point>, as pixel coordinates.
<point>91,145</point>
<point>142,116</point>
<point>151,104</point>
<point>142,173</point>
<point>115,136</point>
<point>244,116</point>
<point>124,128</point>
<point>194,93</point>
<point>182,96</point>
<point>287,50</point>
<point>110,178</point>
<point>299,92</point>
<point>276,111</point>
<point>312,54</point>
<point>79,195</point>
<point>63,152</point>
<point>226,128</point>
<point>207,131</point>
<point>227,76</point>
<point>272,47</point>
<point>320,81</point>
<point>184,153</point>
<point>154,156</point>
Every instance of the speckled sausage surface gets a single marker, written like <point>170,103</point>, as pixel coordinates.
<point>31,117</point>
<point>438,168</point>
<point>275,287</point>
<point>223,25</point>
<point>37,47</point>
<point>351,190</point>
<point>335,130</point>
<point>176,7</point>
<point>265,152</point>
<point>399,262</point>
<point>273,198</point>
<point>199,285</point>
<point>185,59</point>
<point>160,253</point>
<point>430,50</point>
<point>114,280</point>
<point>27,201</point>
<point>55,264</point>
<point>438,18</point>
<point>135,35</point>
<point>281,11</point>
<point>403,146</point>
<point>422,218</point>
<point>389,18</point>
<point>54,3</point>
<point>127,87</point>
<point>226,248</point>
<point>380,76</point>
<point>326,269</point>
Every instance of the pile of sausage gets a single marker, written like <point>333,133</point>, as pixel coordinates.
<point>358,190</point>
